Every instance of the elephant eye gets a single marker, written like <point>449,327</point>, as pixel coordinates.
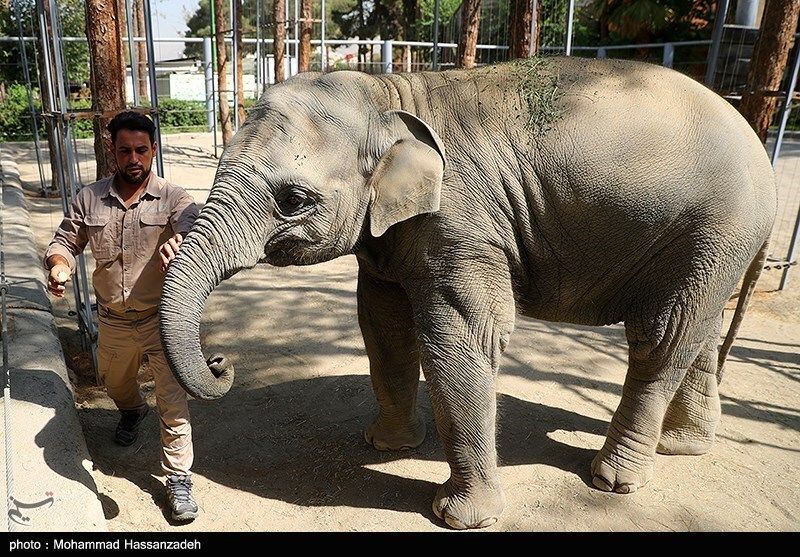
<point>292,202</point>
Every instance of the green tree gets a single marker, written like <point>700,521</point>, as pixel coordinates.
<point>643,21</point>
<point>199,23</point>
<point>73,21</point>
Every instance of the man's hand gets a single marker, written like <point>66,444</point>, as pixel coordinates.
<point>169,250</point>
<point>59,274</point>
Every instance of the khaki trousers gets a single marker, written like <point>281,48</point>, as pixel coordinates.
<point>122,344</point>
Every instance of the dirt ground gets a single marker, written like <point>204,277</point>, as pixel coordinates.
<point>284,450</point>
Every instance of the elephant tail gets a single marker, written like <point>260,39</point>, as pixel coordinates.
<point>748,285</point>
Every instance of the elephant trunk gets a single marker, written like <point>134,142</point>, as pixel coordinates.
<point>204,260</point>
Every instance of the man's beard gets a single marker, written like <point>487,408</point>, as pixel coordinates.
<point>135,180</point>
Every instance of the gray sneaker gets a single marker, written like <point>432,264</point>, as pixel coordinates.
<point>179,497</point>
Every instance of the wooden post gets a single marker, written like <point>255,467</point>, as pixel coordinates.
<point>107,64</point>
<point>141,51</point>
<point>519,24</point>
<point>279,45</point>
<point>304,55</point>
<point>222,72</point>
<point>468,40</point>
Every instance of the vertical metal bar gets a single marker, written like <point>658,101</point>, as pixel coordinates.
<point>235,65</point>
<point>323,53</point>
<point>570,17</point>
<point>51,94</point>
<point>66,168</point>
<point>436,14</point>
<point>213,34</point>
<point>259,76</point>
<point>669,55</point>
<point>532,43</point>
<point>746,12</point>
<point>716,41</point>
<point>297,32</point>
<point>287,44</point>
<point>6,376</point>
<point>786,110</point>
<point>29,90</point>
<point>133,55</point>
<point>386,56</point>
<point>151,72</point>
<point>209,74</point>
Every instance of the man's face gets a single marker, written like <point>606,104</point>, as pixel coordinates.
<point>133,152</point>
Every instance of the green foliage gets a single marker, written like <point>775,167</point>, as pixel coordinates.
<point>81,129</point>
<point>447,8</point>
<point>181,115</point>
<point>643,21</point>
<point>199,23</point>
<point>72,16</point>
<point>15,115</point>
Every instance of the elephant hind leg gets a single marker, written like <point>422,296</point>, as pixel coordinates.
<point>661,350</point>
<point>693,414</point>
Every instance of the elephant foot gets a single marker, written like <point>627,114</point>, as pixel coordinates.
<point>620,470</point>
<point>394,436</point>
<point>475,507</point>
<point>691,419</point>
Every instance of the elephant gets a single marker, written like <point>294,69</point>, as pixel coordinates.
<point>592,192</point>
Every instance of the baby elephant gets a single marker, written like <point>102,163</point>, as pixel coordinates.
<point>581,191</point>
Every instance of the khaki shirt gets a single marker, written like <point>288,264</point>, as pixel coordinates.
<point>124,242</point>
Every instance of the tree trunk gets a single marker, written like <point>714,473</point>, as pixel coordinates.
<point>536,39</point>
<point>519,24</point>
<point>468,40</point>
<point>304,56</point>
<point>222,75</point>
<point>239,64</point>
<point>767,66</point>
<point>141,51</point>
<point>107,65</point>
<point>279,46</point>
<point>410,15</point>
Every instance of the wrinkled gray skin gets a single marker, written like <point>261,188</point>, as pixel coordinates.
<point>644,202</point>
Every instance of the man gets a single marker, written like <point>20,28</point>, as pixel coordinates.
<point>129,219</point>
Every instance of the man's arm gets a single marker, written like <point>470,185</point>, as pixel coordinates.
<point>182,217</point>
<point>69,240</point>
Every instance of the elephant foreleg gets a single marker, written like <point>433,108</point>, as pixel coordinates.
<point>461,339</point>
<point>385,317</point>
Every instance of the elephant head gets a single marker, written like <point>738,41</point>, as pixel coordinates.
<point>318,163</point>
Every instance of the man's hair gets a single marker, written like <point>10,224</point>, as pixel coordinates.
<point>132,121</point>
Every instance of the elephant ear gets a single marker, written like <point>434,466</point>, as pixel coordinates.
<point>407,180</point>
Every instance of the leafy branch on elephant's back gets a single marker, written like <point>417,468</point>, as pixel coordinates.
<point>539,88</point>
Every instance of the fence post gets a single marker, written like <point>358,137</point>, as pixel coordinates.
<point>386,56</point>
<point>570,18</point>
<point>716,40</point>
<point>669,55</point>
<point>209,71</point>
<point>786,109</point>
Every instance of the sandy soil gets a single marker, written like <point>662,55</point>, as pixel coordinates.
<point>284,449</point>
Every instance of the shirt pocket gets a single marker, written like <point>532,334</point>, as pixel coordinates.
<point>99,230</point>
<point>153,231</point>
